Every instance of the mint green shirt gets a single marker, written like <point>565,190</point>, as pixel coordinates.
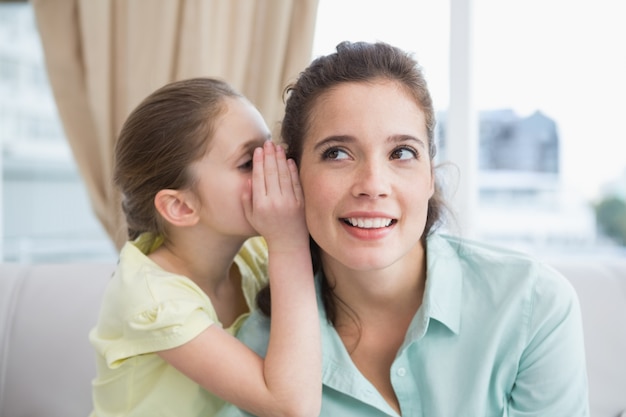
<point>498,334</point>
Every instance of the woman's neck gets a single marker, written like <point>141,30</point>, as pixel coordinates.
<point>373,310</point>
<point>395,290</point>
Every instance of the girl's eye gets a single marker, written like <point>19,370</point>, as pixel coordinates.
<point>334,154</point>
<point>247,166</point>
<point>404,152</point>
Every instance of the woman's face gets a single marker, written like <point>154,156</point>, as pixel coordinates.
<point>366,175</point>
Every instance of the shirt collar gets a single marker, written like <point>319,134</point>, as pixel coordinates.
<point>444,283</point>
<point>442,302</point>
<point>338,370</point>
<point>443,291</point>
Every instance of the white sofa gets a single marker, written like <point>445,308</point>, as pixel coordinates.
<point>46,311</point>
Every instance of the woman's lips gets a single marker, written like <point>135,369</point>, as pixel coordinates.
<point>369,222</point>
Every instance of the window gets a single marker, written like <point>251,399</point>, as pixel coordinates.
<point>548,106</point>
<point>547,73</point>
<point>45,215</point>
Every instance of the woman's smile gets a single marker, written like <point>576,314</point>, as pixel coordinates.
<point>368,223</point>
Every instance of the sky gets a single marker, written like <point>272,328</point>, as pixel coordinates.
<point>563,57</point>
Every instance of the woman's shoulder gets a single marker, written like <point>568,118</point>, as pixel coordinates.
<point>502,279</point>
<point>468,247</point>
<point>478,252</point>
<point>487,261</point>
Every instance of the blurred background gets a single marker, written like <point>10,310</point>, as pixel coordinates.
<point>538,164</point>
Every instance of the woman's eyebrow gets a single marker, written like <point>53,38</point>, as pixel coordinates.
<point>333,139</point>
<point>394,139</point>
<point>407,138</point>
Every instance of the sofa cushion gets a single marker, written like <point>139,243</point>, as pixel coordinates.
<point>601,288</point>
<point>47,363</point>
<point>46,312</point>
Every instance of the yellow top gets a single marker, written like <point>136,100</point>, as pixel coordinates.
<point>146,309</point>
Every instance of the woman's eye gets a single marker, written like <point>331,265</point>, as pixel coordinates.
<point>404,152</point>
<point>334,154</point>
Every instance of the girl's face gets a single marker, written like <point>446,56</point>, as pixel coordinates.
<point>366,175</point>
<point>224,172</point>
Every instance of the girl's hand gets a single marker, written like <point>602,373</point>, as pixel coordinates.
<point>270,386</point>
<point>275,206</point>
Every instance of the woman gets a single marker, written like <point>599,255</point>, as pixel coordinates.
<point>414,322</point>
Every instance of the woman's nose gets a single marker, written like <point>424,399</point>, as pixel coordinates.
<point>371,180</point>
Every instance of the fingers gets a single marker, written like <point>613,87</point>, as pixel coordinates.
<point>272,174</point>
<point>246,200</point>
<point>276,210</point>
<point>284,172</point>
<point>295,180</point>
<point>258,173</point>
<point>272,168</point>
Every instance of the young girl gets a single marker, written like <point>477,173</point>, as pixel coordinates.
<point>199,177</point>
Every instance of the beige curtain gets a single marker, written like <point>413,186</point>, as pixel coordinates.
<point>104,56</point>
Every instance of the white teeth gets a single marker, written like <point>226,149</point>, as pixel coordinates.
<point>369,223</point>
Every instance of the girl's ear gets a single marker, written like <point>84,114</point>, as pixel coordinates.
<point>176,207</point>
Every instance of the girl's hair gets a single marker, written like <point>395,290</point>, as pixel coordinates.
<point>363,63</point>
<point>162,136</point>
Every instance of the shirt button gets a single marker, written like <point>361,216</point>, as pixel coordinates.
<point>401,371</point>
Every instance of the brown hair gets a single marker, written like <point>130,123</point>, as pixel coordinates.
<point>355,62</point>
<point>162,136</point>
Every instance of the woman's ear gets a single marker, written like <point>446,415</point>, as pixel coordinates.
<point>433,181</point>
<point>176,207</point>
